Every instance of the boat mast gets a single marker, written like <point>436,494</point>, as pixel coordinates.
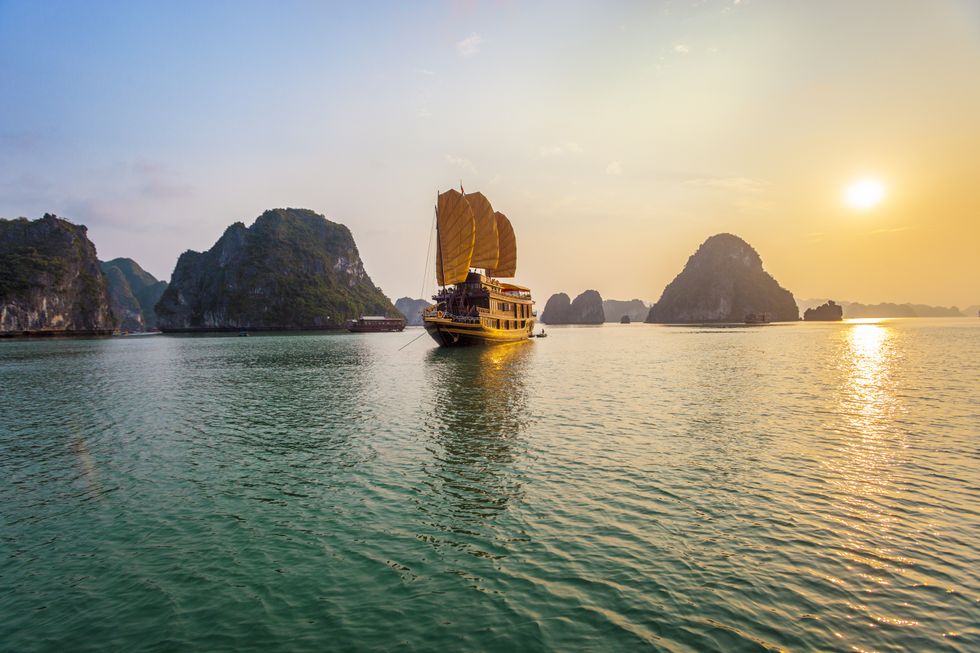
<point>442,263</point>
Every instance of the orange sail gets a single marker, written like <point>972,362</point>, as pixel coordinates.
<point>507,260</point>
<point>486,250</point>
<point>457,236</point>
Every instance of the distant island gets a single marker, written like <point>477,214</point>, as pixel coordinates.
<point>615,310</point>
<point>723,281</point>
<point>133,294</point>
<point>585,309</point>
<point>50,280</point>
<point>292,269</point>
<point>411,309</point>
<point>856,310</point>
<point>829,312</point>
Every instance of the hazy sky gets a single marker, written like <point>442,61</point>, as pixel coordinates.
<point>617,137</point>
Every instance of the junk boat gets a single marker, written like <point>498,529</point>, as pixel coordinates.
<point>757,318</point>
<point>376,323</point>
<point>475,249</point>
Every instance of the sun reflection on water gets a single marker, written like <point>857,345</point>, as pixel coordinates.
<point>866,460</point>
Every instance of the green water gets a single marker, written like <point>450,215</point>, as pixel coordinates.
<point>802,487</point>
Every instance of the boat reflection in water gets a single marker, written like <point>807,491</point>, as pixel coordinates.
<point>476,422</point>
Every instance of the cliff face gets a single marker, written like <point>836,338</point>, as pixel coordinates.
<point>586,309</point>
<point>50,281</point>
<point>557,309</point>
<point>411,309</point>
<point>723,282</point>
<point>133,293</point>
<point>829,312</point>
<point>292,269</point>
<point>615,310</point>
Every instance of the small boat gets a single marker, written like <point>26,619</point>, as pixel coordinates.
<point>243,334</point>
<point>625,319</point>
<point>475,306</point>
<point>376,324</point>
<point>541,334</point>
<point>757,318</point>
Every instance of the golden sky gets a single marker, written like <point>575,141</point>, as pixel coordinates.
<point>617,137</point>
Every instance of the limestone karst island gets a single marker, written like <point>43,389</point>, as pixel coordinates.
<point>489,326</point>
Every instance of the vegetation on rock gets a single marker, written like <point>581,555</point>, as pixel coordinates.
<point>292,269</point>
<point>50,281</point>
<point>133,292</point>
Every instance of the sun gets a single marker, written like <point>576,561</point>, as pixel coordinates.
<point>865,194</point>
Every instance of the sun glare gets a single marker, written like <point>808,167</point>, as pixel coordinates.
<point>865,194</point>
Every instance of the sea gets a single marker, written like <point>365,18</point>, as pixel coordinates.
<point>801,487</point>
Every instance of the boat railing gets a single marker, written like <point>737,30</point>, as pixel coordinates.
<point>465,319</point>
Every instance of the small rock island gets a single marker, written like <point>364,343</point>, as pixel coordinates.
<point>723,281</point>
<point>617,309</point>
<point>291,270</point>
<point>50,280</point>
<point>585,309</point>
<point>829,312</point>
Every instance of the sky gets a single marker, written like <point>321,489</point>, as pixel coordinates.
<point>616,136</point>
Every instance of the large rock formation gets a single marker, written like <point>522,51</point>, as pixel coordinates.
<point>557,309</point>
<point>829,312</point>
<point>723,282</point>
<point>412,310</point>
<point>133,292</point>
<point>586,309</point>
<point>50,281</point>
<point>292,269</point>
<point>616,309</point>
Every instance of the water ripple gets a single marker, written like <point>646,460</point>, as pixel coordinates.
<point>808,487</point>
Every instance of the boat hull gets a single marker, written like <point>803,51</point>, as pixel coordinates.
<point>456,334</point>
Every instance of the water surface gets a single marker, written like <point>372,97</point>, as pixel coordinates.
<point>806,486</point>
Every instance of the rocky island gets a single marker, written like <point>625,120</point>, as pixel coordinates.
<point>585,309</point>
<point>829,312</point>
<point>50,280</point>
<point>723,281</point>
<point>133,293</point>
<point>291,270</point>
<point>411,309</point>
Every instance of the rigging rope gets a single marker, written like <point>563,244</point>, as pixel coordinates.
<point>427,252</point>
<point>412,340</point>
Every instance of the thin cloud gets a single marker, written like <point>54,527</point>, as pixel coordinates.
<point>423,71</point>
<point>746,195</point>
<point>740,184</point>
<point>893,230</point>
<point>470,46</point>
<point>614,168</point>
<point>460,162</point>
<point>157,181</point>
<point>680,48</point>
<point>570,147</point>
